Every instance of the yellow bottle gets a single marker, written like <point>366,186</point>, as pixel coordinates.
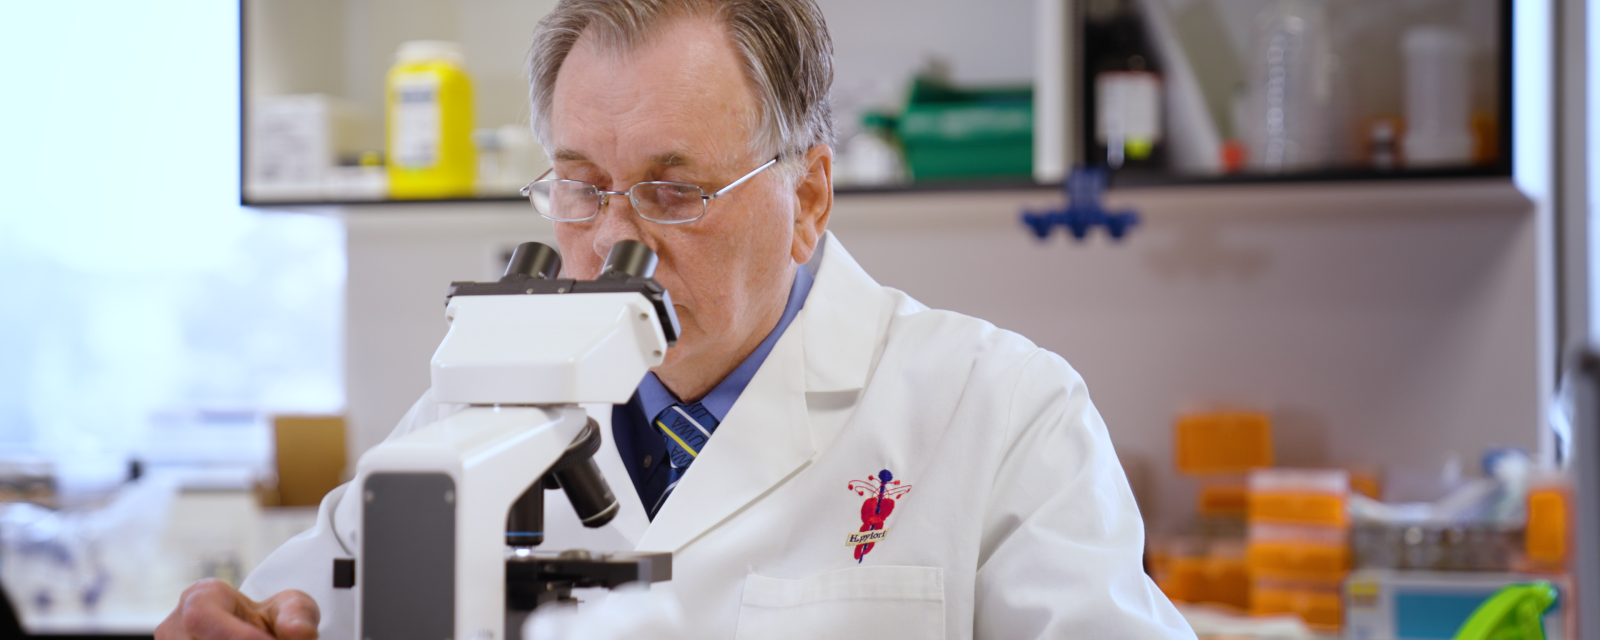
<point>428,104</point>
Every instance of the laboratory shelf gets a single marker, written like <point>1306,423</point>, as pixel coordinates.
<point>1360,184</point>
<point>890,189</point>
<point>1003,203</point>
<point>1173,203</point>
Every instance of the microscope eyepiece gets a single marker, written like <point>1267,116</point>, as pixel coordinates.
<point>533,260</point>
<point>629,259</point>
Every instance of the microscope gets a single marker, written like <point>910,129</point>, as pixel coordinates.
<point>451,513</point>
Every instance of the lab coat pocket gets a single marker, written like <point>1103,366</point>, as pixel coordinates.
<point>882,603</point>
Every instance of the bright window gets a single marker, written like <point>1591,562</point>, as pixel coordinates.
<point>140,305</point>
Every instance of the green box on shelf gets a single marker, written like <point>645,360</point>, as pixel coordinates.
<point>959,134</point>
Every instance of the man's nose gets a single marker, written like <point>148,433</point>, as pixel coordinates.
<point>617,221</point>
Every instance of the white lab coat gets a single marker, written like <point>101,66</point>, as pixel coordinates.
<point>1018,523</point>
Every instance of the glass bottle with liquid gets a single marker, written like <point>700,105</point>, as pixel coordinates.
<point>1123,89</point>
<point>429,122</point>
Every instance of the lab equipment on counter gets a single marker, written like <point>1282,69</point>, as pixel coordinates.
<point>1435,546</point>
<point>871,157</point>
<point>1298,551</point>
<point>1084,211</point>
<point>951,133</point>
<point>1208,564</point>
<point>1547,537</point>
<point>1289,96</point>
<point>71,571</point>
<point>1430,605</point>
<point>1477,526</point>
<point>508,157</point>
<point>429,122</point>
<point>1202,570</point>
<point>1124,88</point>
<point>451,511</point>
<point>1438,97</point>
<point>294,146</point>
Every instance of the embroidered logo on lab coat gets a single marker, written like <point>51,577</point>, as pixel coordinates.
<point>881,492</point>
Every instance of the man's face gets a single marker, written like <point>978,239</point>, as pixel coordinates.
<point>677,110</point>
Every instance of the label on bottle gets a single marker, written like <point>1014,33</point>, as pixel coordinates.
<point>1128,111</point>
<point>415,131</point>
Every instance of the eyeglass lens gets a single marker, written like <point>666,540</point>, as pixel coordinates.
<point>657,201</point>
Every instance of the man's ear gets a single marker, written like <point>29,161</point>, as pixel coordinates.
<point>814,196</point>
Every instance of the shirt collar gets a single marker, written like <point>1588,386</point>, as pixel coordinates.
<point>655,398</point>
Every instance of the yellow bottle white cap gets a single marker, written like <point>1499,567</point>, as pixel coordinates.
<point>430,51</point>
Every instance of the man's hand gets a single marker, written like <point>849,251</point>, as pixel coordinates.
<point>212,610</point>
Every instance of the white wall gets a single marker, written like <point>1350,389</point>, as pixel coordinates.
<point>1379,325</point>
<point>402,258</point>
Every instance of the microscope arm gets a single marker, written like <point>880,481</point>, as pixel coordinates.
<point>432,532</point>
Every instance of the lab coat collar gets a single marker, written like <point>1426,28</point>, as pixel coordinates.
<point>767,437</point>
<point>840,322</point>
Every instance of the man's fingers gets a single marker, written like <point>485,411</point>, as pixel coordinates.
<point>292,614</point>
<point>212,610</point>
<point>172,627</point>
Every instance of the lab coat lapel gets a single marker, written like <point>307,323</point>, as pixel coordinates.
<point>762,441</point>
<point>768,434</point>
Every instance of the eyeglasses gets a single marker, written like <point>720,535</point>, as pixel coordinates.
<point>663,202</point>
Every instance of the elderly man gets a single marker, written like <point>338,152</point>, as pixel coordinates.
<point>824,456</point>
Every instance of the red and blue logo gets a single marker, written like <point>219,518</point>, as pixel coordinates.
<point>881,490</point>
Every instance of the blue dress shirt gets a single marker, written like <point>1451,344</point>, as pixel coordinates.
<point>641,447</point>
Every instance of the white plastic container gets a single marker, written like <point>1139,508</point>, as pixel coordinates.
<point>1438,97</point>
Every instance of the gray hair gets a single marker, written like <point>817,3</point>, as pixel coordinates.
<point>784,45</point>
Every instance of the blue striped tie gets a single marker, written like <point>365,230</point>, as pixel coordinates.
<point>686,428</point>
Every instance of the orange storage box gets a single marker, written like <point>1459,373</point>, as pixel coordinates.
<point>1202,570</point>
<point>1213,579</point>
<point>1299,496</point>
<point>1318,602</point>
<point>1222,442</point>
<point>1312,560</point>
<point>1545,539</point>
<point>1224,500</point>
<point>1301,551</point>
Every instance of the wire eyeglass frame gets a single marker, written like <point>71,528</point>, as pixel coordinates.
<point>602,197</point>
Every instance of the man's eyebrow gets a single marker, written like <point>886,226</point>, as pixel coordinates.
<point>670,159</point>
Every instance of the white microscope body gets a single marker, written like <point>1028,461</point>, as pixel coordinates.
<point>523,353</point>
